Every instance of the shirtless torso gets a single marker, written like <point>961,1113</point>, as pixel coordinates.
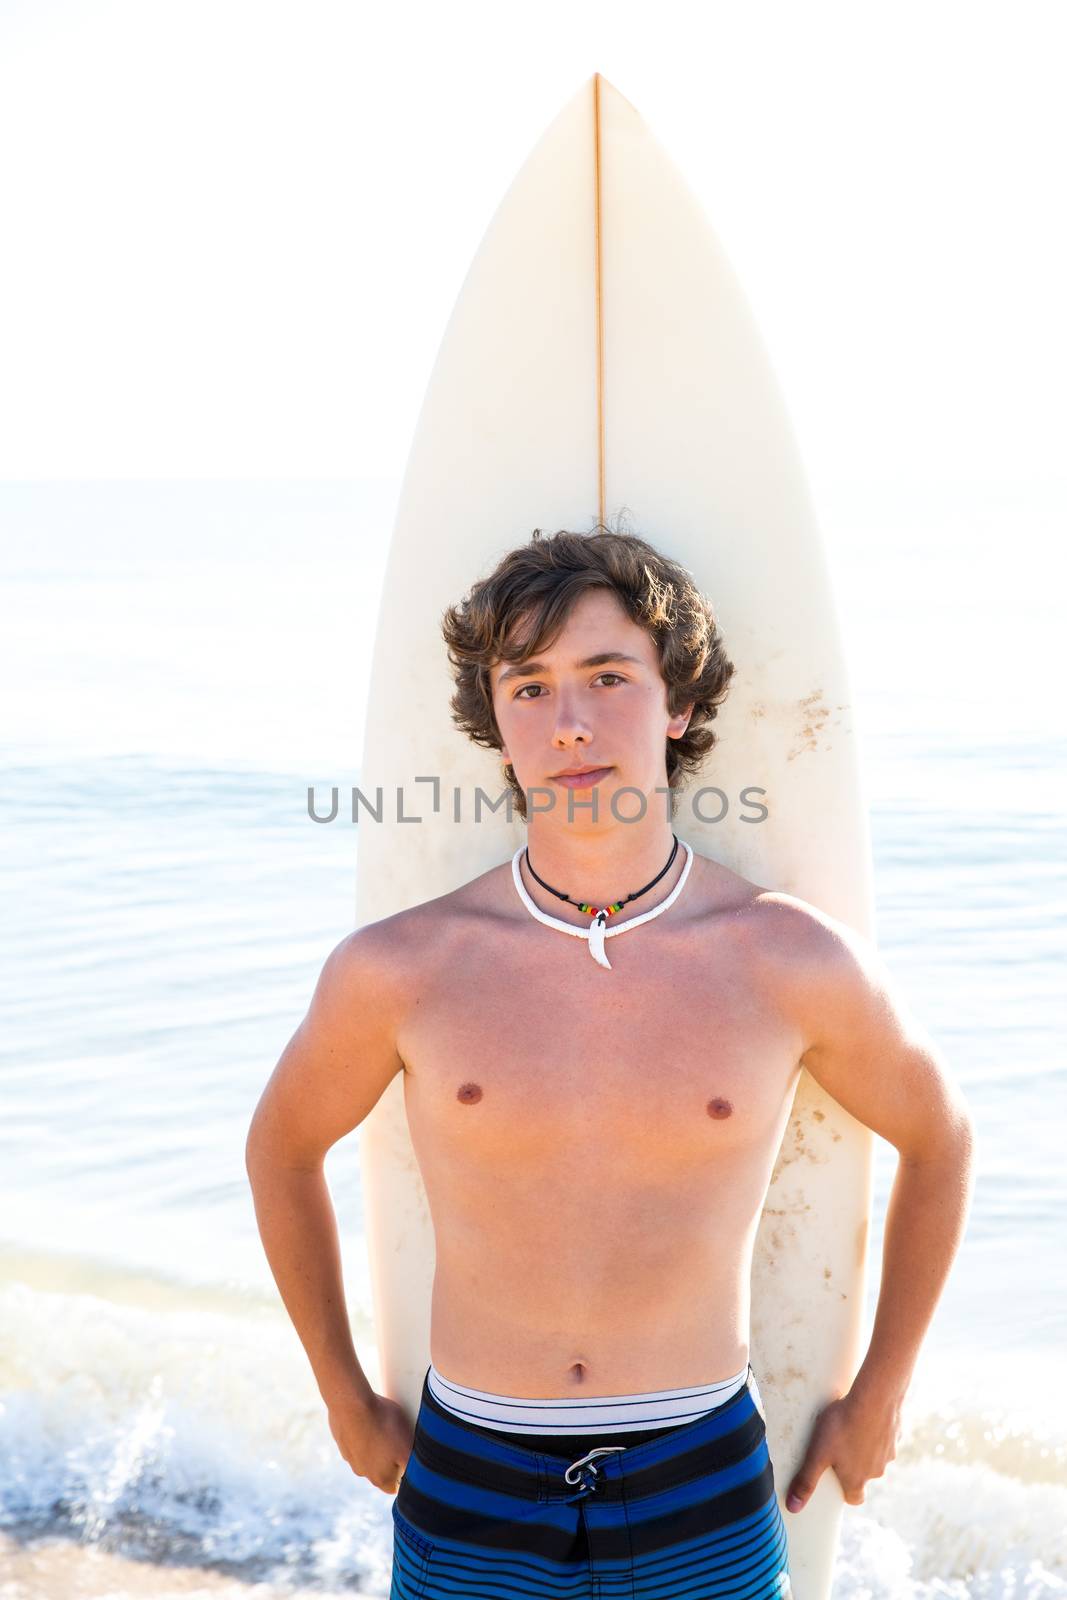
<point>596,1146</point>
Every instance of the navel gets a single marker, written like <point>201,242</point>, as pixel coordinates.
<point>720,1108</point>
<point>469,1093</point>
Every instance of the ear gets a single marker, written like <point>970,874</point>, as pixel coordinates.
<point>679,722</point>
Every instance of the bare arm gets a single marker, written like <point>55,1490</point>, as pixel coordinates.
<point>330,1075</point>
<point>867,1049</point>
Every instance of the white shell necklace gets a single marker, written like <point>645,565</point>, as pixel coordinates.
<point>598,930</point>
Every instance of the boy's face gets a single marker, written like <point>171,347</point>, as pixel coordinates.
<point>554,713</point>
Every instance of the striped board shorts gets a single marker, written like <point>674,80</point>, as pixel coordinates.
<point>688,1514</point>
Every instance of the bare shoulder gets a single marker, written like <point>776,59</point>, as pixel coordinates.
<point>343,1054</point>
<point>776,928</point>
<point>797,950</point>
<point>861,1038</point>
<point>766,919</point>
<point>397,946</point>
<point>384,954</point>
<point>829,976</point>
<point>786,927</point>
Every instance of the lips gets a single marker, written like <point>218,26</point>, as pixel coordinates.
<point>581,777</point>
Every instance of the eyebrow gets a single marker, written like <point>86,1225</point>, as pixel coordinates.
<point>530,669</point>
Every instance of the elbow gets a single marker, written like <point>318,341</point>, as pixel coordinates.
<point>271,1151</point>
<point>951,1142</point>
<point>960,1151</point>
<point>963,1131</point>
<point>254,1145</point>
<point>959,1129</point>
<point>968,1141</point>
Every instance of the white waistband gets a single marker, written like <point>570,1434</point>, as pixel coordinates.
<point>622,1413</point>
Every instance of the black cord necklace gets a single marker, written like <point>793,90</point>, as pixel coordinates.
<point>603,912</point>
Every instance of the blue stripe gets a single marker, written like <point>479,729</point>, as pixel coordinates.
<point>687,1516</point>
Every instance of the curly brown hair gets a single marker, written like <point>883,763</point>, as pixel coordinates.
<point>542,580</point>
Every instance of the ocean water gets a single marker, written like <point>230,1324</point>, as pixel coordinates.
<point>186,662</point>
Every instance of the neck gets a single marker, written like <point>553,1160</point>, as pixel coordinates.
<point>600,868</point>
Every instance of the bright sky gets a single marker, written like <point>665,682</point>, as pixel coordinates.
<point>234,229</point>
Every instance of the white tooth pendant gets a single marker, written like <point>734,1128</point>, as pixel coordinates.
<point>598,929</point>
<point>596,939</point>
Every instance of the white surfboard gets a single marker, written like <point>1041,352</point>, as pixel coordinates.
<point>600,359</point>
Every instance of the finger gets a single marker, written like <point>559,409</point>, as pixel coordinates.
<point>803,1485</point>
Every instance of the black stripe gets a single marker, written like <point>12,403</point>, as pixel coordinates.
<point>711,1455</point>
<point>540,1539</point>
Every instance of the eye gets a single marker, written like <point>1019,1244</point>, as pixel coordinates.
<point>520,692</point>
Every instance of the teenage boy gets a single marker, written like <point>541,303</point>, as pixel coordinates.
<point>602,1037</point>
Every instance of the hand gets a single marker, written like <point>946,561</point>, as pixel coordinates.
<point>857,1435</point>
<point>374,1437</point>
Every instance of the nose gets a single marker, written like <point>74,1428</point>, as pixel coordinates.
<point>570,724</point>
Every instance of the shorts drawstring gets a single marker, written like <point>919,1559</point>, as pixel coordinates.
<point>586,1469</point>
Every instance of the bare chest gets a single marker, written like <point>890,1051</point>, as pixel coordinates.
<point>517,1041</point>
